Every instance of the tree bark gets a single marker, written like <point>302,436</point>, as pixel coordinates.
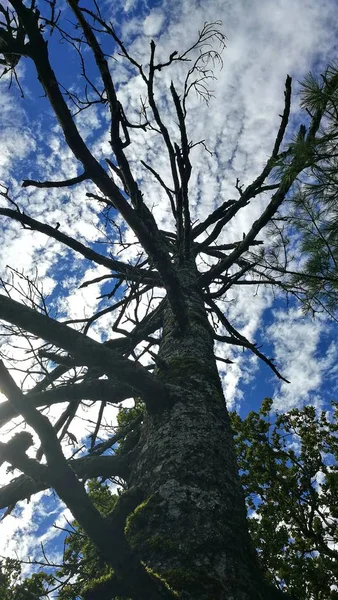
<point>191,528</point>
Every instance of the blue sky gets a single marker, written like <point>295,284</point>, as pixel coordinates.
<point>265,42</point>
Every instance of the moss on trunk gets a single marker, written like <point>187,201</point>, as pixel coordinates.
<point>191,527</point>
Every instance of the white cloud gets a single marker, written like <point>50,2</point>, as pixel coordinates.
<point>153,23</point>
<point>245,311</point>
<point>296,342</point>
<point>22,532</point>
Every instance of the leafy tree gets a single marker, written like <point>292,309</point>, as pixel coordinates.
<point>311,210</point>
<point>84,573</point>
<point>179,528</point>
<point>289,471</point>
<point>12,587</point>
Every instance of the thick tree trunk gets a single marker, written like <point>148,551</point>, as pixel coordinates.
<point>191,528</point>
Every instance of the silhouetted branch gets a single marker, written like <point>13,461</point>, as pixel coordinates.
<point>86,467</point>
<point>119,267</point>
<point>238,339</point>
<point>90,389</point>
<point>82,348</point>
<point>55,184</point>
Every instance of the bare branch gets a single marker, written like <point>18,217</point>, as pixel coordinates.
<point>83,349</point>
<point>119,267</point>
<point>238,339</point>
<point>23,487</point>
<point>257,186</point>
<point>141,225</point>
<point>55,184</point>
<point>90,389</point>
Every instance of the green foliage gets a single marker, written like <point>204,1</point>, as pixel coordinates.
<point>312,211</point>
<point>289,471</point>
<point>128,420</point>
<point>83,567</point>
<point>13,587</point>
<point>126,416</point>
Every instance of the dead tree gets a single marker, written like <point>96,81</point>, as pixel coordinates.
<point>180,474</point>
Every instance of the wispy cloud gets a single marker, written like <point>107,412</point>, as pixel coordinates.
<point>304,360</point>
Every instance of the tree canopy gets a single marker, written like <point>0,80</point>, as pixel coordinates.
<point>289,471</point>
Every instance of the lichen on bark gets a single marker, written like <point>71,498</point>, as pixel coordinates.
<point>190,527</point>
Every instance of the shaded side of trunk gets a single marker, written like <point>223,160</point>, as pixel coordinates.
<point>191,528</point>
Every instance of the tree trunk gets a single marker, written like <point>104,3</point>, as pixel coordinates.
<point>191,528</point>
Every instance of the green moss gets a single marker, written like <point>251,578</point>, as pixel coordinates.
<point>182,367</point>
<point>194,581</point>
<point>141,525</point>
<point>137,513</point>
<point>181,577</point>
<point>137,521</point>
<point>162,543</point>
<point>97,582</point>
<point>161,579</point>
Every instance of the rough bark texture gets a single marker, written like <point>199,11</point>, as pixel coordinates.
<point>191,528</point>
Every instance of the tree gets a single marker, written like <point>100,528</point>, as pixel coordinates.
<point>12,588</point>
<point>179,529</point>
<point>288,466</point>
<point>311,210</point>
